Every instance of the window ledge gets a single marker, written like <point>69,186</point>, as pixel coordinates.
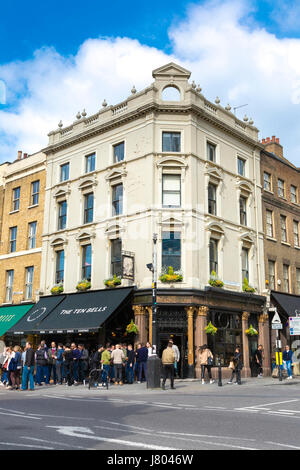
<point>268,191</point>
<point>14,212</point>
<point>295,203</point>
<point>297,247</point>
<point>33,205</point>
<point>285,243</point>
<point>271,239</point>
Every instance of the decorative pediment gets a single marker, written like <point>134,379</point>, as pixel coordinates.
<point>213,172</point>
<point>60,193</point>
<point>58,241</point>
<point>216,229</point>
<point>85,235</point>
<point>247,238</point>
<point>113,230</point>
<point>116,174</point>
<point>244,186</point>
<point>87,183</point>
<point>171,222</point>
<point>171,70</point>
<point>171,162</point>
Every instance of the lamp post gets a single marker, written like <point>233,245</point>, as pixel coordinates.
<point>153,364</point>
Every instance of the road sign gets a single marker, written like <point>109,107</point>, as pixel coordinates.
<point>277,326</point>
<point>276,322</point>
<point>294,326</point>
<point>276,318</point>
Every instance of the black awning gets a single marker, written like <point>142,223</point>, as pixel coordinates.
<point>83,312</point>
<point>31,321</point>
<point>289,303</point>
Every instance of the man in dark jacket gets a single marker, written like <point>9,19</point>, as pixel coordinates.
<point>83,363</point>
<point>75,366</point>
<point>130,358</point>
<point>42,367</point>
<point>141,359</point>
<point>28,367</point>
<point>68,364</point>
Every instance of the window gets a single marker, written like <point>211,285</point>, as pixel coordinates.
<point>32,235</point>
<point>213,255</point>
<point>13,239</point>
<point>267,181</point>
<point>293,194</point>
<point>228,336</point>
<point>171,250</point>
<point>171,191</point>
<point>286,279</point>
<point>60,267</point>
<point>88,208</point>
<point>298,281</point>
<point>35,191</point>
<point>62,215</point>
<point>296,232</point>
<point>212,199</point>
<point>116,257</point>
<point>16,199</point>
<point>283,228</point>
<point>171,142</point>
<point>9,285</point>
<point>241,166</point>
<point>245,264</point>
<point>211,152</point>
<point>243,211</point>
<point>64,172</point>
<point>281,192</point>
<point>119,151</point>
<point>28,282</point>
<point>269,223</point>
<point>117,199</point>
<point>87,262</point>
<point>90,162</point>
<point>271,267</point>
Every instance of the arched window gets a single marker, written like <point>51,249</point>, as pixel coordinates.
<point>171,93</point>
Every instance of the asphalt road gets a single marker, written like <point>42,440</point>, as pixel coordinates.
<point>256,415</point>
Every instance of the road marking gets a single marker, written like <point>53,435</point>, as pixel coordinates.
<point>270,404</point>
<point>14,411</point>
<point>281,413</point>
<point>52,442</point>
<point>206,435</point>
<point>25,445</point>
<point>18,415</point>
<point>283,445</point>
<point>291,411</point>
<point>127,425</point>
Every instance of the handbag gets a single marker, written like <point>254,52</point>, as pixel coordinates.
<point>231,365</point>
<point>210,361</point>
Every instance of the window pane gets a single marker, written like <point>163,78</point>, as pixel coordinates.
<point>116,257</point>
<point>171,141</point>
<point>60,263</point>
<point>87,262</point>
<point>211,152</point>
<point>171,199</point>
<point>88,208</point>
<point>171,250</point>
<point>171,182</point>
<point>90,163</point>
<point>117,199</point>
<point>64,172</point>
<point>118,152</point>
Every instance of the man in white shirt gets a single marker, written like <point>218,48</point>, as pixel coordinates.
<point>177,357</point>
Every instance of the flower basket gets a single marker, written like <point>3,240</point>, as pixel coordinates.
<point>83,285</point>
<point>246,287</point>
<point>171,276</point>
<point>132,328</point>
<point>214,281</point>
<point>210,329</point>
<point>251,331</point>
<point>57,289</point>
<point>113,282</point>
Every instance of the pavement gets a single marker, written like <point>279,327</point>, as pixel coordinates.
<point>261,414</point>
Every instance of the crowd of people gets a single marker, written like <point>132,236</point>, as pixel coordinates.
<point>71,364</point>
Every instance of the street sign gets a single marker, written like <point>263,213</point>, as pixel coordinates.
<point>277,326</point>
<point>276,322</point>
<point>294,326</point>
<point>276,318</point>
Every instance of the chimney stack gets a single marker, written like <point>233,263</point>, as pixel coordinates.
<point>25,155</point>
<point>19,154</point>
<point>273,146</point>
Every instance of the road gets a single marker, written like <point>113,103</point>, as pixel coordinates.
<point>256,415</point>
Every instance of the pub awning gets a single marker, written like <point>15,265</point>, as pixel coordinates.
<point>288,302</point>
<point>10,315</point>
<point>83,312</point>
<point>36,315</point>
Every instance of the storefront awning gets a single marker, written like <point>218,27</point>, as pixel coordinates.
<point>83,312</point>
<point>289,303</point>
<point>9,316</point>
<point>36,315</point>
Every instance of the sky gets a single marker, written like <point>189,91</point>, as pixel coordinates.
<point>58,58</point>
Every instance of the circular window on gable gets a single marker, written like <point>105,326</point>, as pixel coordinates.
<point>170,93</point>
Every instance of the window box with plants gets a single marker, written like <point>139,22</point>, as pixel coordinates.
<point>113,282</point>
<point>57,289</point>
<point>171,276</point>
<point>214,281</point>
<point>83,285</point>
<point>246,287</point>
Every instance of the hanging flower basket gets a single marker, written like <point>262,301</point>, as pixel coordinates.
<point>83,285</point>
<point>251,331</point>
<point>210,329</point>
<point>113,282</point>
<point>214,281</point>
<point>171,276</point>
<point>132,328</point>
<point>57,289</point>
<point>246,287</point>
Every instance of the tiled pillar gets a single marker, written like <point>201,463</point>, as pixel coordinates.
<point>264,340</point>
<point>246,370</point>
<point>200,334</point>
<point>190,319</point>
<point>140,321</point>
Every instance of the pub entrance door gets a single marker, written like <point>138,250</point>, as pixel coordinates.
<point>180,339</point>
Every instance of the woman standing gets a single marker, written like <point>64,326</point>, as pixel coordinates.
<point>15,366</point>
<point>206,362</point>
<point>238,365</point>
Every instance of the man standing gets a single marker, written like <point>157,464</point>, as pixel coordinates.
<point>259,357</point>
<point>117,356</point>
<point>105,361</point>
<point>52,361</point>
<point>42,367</point>
<point>59,363</point>
<point>130,357</point>
<point>28,367</point>
<point>83,363</point>
<point>75,366</point>
<point>68,364</point>
<point>177,357</point>
<point>141,359</point>
<point>168,359</point>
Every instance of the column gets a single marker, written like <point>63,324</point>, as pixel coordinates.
<point>263,339</point>
<point>140,321</point>
<point>149,310</point>
<point>190,318</point>
<point>246,371</point>
<point>200,334</point>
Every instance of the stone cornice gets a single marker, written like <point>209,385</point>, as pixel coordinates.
<point>280,203</point>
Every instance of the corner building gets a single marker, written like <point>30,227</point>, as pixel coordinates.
<point>165,161</point>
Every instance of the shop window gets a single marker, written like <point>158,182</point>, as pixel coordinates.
<point>228,336</point>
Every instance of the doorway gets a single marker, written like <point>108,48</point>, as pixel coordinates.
<point>180,339</point>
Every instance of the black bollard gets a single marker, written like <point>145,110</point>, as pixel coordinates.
<point>219,373</point>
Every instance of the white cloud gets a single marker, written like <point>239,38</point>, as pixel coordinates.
<point>227,53</point>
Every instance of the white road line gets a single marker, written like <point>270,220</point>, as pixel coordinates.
<point>61,444</point>
<point>270,404</point>
<point>291,411</point>
<point>14,411</point>
<point>25,445</point>
<point>127,425</point>
<point>18,415</point>
<point>283,445</point>
<point>206,435</point>
<point>281,413</point>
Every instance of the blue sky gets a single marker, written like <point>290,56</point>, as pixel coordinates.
<point>58,56</point>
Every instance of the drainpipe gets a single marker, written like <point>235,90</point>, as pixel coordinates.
<point>256,223</point>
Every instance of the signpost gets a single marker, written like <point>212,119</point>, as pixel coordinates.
<point>277,325</point>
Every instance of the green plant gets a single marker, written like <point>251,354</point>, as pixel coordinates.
<point>251,331</point>
<point>214,281</point>
<point>83,285</point>
<point>132,328</point>
<point>112,282</point>
<point>171,276</point>
<point>57,289</point>
<point>210,329</point>
<point>246,287</point>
